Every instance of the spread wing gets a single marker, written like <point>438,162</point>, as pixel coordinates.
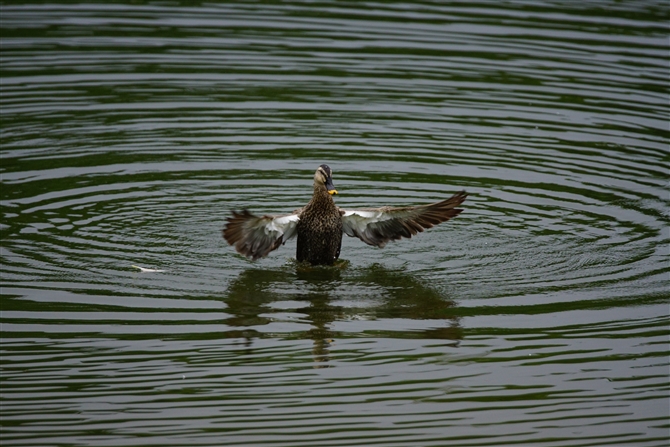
<point>377,226</point>
<point>255,237</point>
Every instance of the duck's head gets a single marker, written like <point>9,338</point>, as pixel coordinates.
<point>324,176</point>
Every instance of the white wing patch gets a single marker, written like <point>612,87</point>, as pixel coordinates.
<point>376,226</point>
<point>355,222</point>
<point>284,226</point>
<point>255,237</point>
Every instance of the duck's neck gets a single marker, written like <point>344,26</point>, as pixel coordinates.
<point>321,197</point>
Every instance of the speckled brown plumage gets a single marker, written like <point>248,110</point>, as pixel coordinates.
<point>319,229</point>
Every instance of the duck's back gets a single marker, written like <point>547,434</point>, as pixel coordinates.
<point>319,234</point>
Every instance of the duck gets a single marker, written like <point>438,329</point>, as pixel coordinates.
<point>320,224</point>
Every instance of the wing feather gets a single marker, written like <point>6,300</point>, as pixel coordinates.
<point>377,226</point>
<point>255,237</point>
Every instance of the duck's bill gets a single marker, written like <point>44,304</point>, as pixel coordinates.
<point>330,187</point>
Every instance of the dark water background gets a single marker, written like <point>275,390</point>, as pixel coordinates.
<point>537,317</point>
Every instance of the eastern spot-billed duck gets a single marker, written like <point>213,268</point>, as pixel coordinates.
<point>320,224</point>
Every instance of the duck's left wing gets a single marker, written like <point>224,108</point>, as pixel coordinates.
<point>377,226</point>
<point>255,237</point>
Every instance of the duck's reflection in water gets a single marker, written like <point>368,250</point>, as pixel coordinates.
<point>336,294</point>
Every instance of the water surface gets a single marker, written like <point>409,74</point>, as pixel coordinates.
<point>539,316</point>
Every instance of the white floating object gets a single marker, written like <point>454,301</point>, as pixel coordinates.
<point>142,269</point>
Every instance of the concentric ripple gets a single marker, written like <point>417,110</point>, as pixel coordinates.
<point>539,316</point>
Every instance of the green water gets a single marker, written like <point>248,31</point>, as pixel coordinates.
<point>539,316</point>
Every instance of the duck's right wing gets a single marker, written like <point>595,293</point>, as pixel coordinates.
<point>255,237</point>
